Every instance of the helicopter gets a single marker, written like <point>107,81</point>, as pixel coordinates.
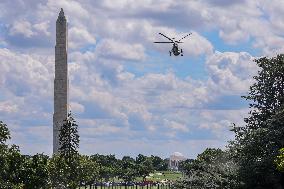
<point>175,50</point>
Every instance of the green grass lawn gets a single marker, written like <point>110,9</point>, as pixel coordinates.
<point>169,175</point>
<point>166,175</point>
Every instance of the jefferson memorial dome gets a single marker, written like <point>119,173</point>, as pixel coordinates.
<point>175,158</point>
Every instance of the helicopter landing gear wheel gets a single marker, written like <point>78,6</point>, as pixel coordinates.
<point>170,53</point>
<point>181,52</point>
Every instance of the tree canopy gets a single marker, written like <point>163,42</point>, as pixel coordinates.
<point>257,143</point>
<point>65,166</point>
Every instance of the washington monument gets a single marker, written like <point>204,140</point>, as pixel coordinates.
<point>61,79</point>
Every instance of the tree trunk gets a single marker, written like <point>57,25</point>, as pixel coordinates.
<point>282,180</point>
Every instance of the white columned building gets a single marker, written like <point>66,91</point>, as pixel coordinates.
<point>174,160</point>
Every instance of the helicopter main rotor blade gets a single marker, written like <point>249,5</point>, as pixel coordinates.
<point>185,36</point>
<point>163,42</point>
<point>166,37</point>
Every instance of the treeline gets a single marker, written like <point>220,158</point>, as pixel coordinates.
<point>68,169</point>
<point>255,158</point>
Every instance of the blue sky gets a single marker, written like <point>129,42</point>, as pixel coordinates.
<point>126,93</point>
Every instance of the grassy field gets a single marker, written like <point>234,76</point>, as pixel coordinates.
<point>168,175</point>
<point>156,176</point>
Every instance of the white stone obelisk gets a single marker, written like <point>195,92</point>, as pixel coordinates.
<point>61,79</point>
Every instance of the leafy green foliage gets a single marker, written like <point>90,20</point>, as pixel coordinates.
<point>127,169</point>
<point>12,164</point>
<point>256,144</point>
<point>59,172</point>
<point>64,168</point>
<point>212,169</point>
<point>11,161</point>
<point>159,164</point>
<point>35,173</point>
<point>4,133</point>
<point>88,171</point>
<point>183,165</point>
<point>67,169</point>
<point>144,166</point>
<point>69,139</point>
<point>279,160</point>
<point>108,166</point>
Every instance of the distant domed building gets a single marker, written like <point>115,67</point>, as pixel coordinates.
<point>174,160</point>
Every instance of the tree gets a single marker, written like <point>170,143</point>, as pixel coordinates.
<point>4,133</point>
<point>34,172</point>
<point>279,161</point>
<point>58,171</point>
<point>159,164</point>
<point>69,139</point>
<point>113,165</point>
<point>108,166</point>
<point>128,169</point>
<point>257,143</point>
<point>64,166</point>
<point>144,166</point>
<point>183,165</point>
<point>213,168</point>
<point>88,170</point>
<point>11,161</point>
